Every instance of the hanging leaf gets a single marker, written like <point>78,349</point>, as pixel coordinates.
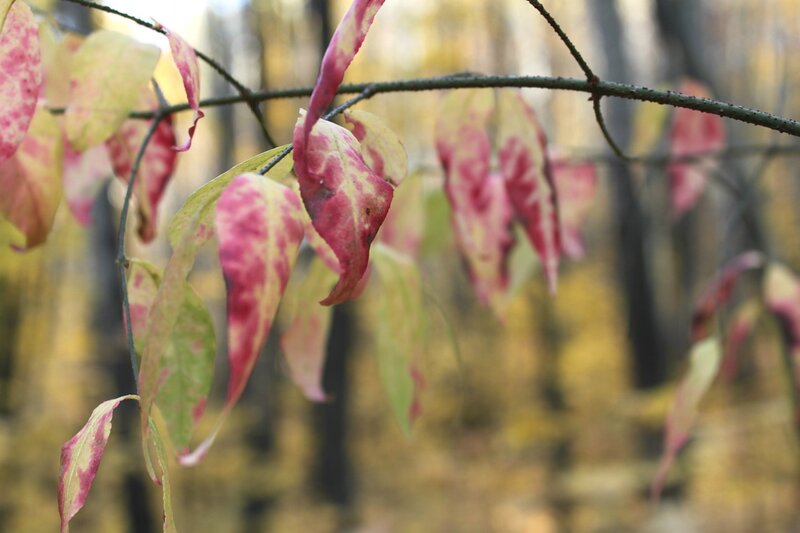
<point>740,329</point>
<point>704,362</point>
<point>305,332</point>
<point>401,333</point>
<point>522,149</point>
<point>259,230</point>
<point>481,210</point>
<point>187,365</point>
<point>185,60</point>
<point>720,290</point>
<point>58,52</point>
<point>80,459</point>
<point>109,72</point>
<point>203,201</point>
<point>155,168</point>
<point>381,148</point>
<point>84,176</point>
<point>404,225</point>
<point>576,184</point>
<point>692,133</point>
<point>162,477</point>
<point>20,75</point>
<point>31,180</point>
<point>346,200</point>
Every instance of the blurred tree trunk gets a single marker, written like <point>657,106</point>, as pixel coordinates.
<point>333,473</point>
<point>649,358</point>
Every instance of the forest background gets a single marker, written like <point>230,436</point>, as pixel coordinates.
<point>549,421</point>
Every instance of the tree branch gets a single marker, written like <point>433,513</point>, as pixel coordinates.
<point>244,92</point>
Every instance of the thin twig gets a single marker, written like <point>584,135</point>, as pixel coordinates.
<point>122,260</point>
<point>602,88</point>
<point>244,92</point>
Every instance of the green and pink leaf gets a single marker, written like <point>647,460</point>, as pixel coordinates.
<point>84,176</point>
<point>381,147</point>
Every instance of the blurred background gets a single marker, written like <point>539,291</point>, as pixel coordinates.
<point>548,421</point>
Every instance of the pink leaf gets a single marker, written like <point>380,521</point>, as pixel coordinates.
<point>740,328</point>
<point>720,289</point>
<point>80,459</point>
<point>524,165</point>
<point>84,175</point>
<point>481,210</point>
<point>306,331</point>
<point>260,230</point>
<point>576,184</point>
<point>31,180</point>
<point>692,133</point>
<point>185,60</point>
<point>156,166</point>
<point>20,76</point>
<point>346,200</point>
<point>382,150</point>
<point>704,367</point>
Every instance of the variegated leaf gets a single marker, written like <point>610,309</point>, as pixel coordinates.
<point>405,223</point>
<point>306,326</point>
<point>346,200</point>
<point>203,201</point>
<point>576,184</point>
<point>720,290</point>
<point>57,56</point>
<point>522,150</point>
<point>481,210</point>
<point>185,60</point>
<point>5,5</point>
<point>162,476</point>
<point>187,365</point>
<point>84,176</point>
<point>31,180</point>
<point>260,229</point>
<point>401,333</point>
<point>692,132</point>
<point>80,459</point>
<point>704,362</point>
<point>109,72</point>
<point>382,150</point>
<point>20,75</point>
<point>155,168</point>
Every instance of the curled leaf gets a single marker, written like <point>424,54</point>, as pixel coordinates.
<point>260,230</point>
<point>109,72</point>
<point>692,133</point>
<point>704,362</point>
<point>185,60</point>
<point>522,149</point>
<point>20,75</point>
<point>576,184</point>
<point>306,328</point>
<point>382,150</point>
<point>80,459</point>
<point>720,289</point>
<point>31,180</point>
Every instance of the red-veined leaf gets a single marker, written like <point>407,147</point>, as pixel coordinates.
<point>401,333</point>
<point>522,150</point>
<point>692,133</point>
<point>481,210</point>
<point>576,184</point>
<point>720,289</point>
<point>740,328</point>
<point>782,298</point>
<point>404,225</point>
<point>20,75</point>
<point>203,201</point>
<point>306,326</point>
<point>80,459</point>
<point>704,362</point>
<point>381,147</point>
<point>155,168</point>
<point>109,73</point>
<point>31,180</point>
<point>346,200</point>
<point>260,230</point>
<point>84,175</point>
<point>185,60</point>
<point>187,365</point>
